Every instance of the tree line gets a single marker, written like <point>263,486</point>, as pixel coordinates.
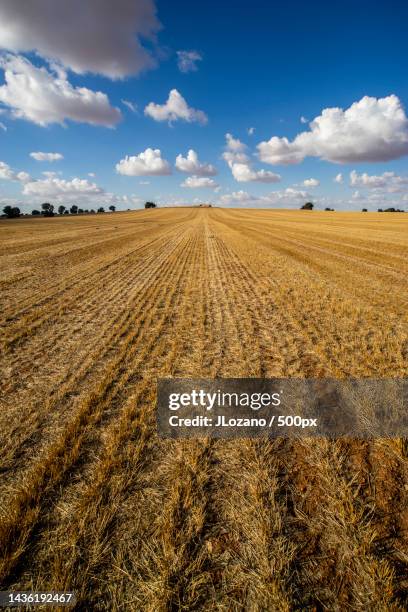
<point>48,210</point>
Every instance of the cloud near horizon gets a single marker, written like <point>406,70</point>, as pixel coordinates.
<point>7,174</point>
<point>388,181</point>
<point>289,196</point>
<point>53,187</point>
<point>370,130</point>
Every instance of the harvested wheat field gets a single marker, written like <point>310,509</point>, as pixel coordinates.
<point>96,308</point>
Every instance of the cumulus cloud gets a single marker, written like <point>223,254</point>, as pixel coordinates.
<point>57,188</point>
<point>187,60</point>
<point>147,163</point>
<point>244,173</point>
<point>286,197</point>
<point>192,165</point>
<point>50,157</point>
<point>234,144</point>
<point>7,174</point>
<point>338,178</point>
<point>45,97</point>
<point>76,190</point>
<point>241,165</point>
<point>174,109</point>
<point>195,182</point>
<point>97,36</point>
<point>130,105</point>
<point>388,181</point>
<point>369,130</point>
<point>311,182</point>
<point>251,131</point>
<point>304,120</point>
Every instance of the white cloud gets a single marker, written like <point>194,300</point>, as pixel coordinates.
<point>23,177</point>
<point>147,163</point>
<point>74,191</point>
<point>196,182</point>
<point>234,144</point>
<point>243,173</point>
<point>304,120</point>
<point>174,109</point>
<point>251,131</point>
<point>97,36</point>
<point>338,178</point>
<point>3,127</point>
<point>286,197</point>
<point>7,174</point>
<point>187,60</point>
<point>192,165</point>
<point>388,181</point>
<point>241,165</point>
<point>369,130</point>
<point>91,174</point>
<point>43,97</point>
<point>50,157</point>
<point>311,182</point>
<point>57,188</point>
<point>130,105</point>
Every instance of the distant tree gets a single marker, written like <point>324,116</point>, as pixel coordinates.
<point>112,208</point>
<point>380,210</point>
<point>308,206</point>
<point>61,209</point>
<point>80,211</point>
<point>101,209</point>
<point>47,209</point>
<point>11,212</point>
<point>364,210</point>
<point>35,212</point>
<point>86,210</point>
<point>150,205</point>
<point>66,212</point>
<point>92,211</point>
<point>329,209</point>
<point>74,209</point>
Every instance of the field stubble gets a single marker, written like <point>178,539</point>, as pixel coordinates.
<point>94,310</point>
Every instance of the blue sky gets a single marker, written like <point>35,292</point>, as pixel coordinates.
<point>262,66</point>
